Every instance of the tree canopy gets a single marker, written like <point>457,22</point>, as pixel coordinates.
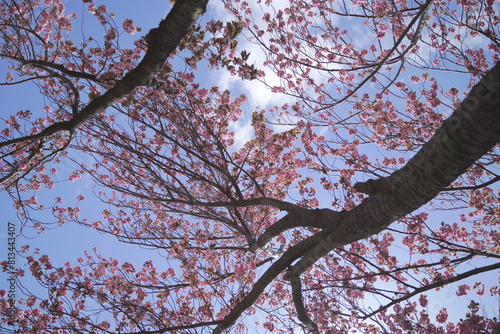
<point>367,180</point>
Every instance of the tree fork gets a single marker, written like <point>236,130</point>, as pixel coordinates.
<point>470,132</point>
<point>455,146</point>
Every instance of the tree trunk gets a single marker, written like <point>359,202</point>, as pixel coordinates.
<point>470,132</point>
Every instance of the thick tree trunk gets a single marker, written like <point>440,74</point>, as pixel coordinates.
<point>472,130</point>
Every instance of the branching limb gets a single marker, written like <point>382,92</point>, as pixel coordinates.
<point>435,285</point>
<point>162,42</point>
<point>387,58</point>
<point>44,64</point>
<point>299,306</point>
<point>292,253</point>
<point>470,132</point>
<point>319,218</point>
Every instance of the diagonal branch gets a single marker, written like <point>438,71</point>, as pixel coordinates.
<point>44,64</point>
<point>319,218</point>
<point>479,186</point>
<point>292,253</point>
<point>299,306</point>
<point>435,285</point>
<point>162,41</point>
<point>469,133</point>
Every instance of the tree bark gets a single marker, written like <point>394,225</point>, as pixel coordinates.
<point>297,217</point>
<point>162,41</point>
<point>470,132</point>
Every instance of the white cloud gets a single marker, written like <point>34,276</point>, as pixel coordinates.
<point>243,132</point>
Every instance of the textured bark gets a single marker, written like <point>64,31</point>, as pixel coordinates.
<point>292,254</point>
<point>162,41</point>
<point>319,218</point>
<point>472,130</point>
<point>300,308</point>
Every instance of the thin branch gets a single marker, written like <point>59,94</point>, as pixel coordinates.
<point>299,306</point>
<point>435,285</point>
<point>44,64</point>
<point>162,41</point>
<point>485,184</point>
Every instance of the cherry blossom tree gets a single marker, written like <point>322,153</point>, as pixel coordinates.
<point>326,219</point>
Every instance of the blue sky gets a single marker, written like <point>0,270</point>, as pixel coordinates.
<point>68,242</point>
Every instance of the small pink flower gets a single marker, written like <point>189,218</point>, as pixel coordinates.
<point>442,316</point>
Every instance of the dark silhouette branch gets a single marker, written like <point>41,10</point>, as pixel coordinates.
<point>162,41</point>
<point>319,218</point>
<point>435,285</point>
<point>299,306</point>
<point>479,186</point>
<point>469,133</point>
<point>472,130</point>
<point>44,64</point>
